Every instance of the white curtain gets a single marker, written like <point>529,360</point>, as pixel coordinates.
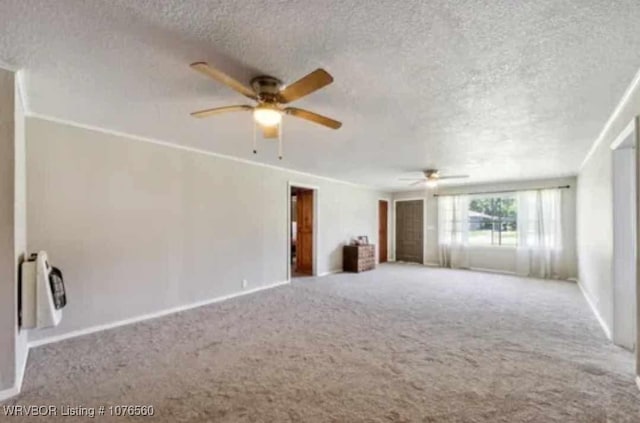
<point>540,250</point>
<point>453,231</point>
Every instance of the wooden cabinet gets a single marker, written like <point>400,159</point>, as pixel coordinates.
<point>358,258</point>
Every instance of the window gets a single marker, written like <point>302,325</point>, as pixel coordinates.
<point>493,220</point>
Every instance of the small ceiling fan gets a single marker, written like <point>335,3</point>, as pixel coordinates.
<point>270,94</point>
<point>431,178</point>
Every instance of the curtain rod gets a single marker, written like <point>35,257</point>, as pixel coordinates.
<point>501,192</point>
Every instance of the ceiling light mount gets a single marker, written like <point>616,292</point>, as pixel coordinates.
<point>266,88</point>
<point>432,174</point>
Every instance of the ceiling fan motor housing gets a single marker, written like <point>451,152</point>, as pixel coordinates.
<point>431,174</point>
<point>267,88</point>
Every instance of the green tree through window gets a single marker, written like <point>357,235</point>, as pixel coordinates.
<point>493,220</point>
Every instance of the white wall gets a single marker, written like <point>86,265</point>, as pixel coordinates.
<point>13,342</point>
<point>138,227</point>
<point>495,258</point>
<point>20,222</point>
<point>624,246</point>
<point>7,232</point>
<point>595,234</point>
<point>595,210</point>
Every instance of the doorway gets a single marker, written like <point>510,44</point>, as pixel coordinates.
<point>383,234</point>
<point>302,231</point>
<point>409,230</point>
<point>624,180</point>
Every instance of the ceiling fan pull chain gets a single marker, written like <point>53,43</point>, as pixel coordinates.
<point>255,148</point>
<point>280,140</point>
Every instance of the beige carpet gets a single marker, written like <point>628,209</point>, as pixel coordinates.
<point>400,344</point>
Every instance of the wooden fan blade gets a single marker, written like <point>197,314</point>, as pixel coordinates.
<point>313,117</point>
<point>218,110</point>
<point>453,177</point>
<point>219,76</point>
<point>306,85</point>
<point>420,182</point>
<point>411,179</point>
<point>270,131</point>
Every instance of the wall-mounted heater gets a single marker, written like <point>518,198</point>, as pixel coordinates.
<point>42,293</point>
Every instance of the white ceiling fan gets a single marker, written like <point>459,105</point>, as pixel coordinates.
<point>431,178</point>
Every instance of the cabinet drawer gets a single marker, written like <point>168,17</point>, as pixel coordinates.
<point>366,264</point>
<point>366,251</point>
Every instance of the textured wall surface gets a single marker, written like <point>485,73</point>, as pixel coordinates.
<point>138,228</point>
<point>501,90</point>
<point>7,235</point>
<point>502,259</point>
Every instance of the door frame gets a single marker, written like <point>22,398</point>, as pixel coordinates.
<point>632,129</point>
<point>389,216</point>
<point>424,222</point>
<point>623,147</point>
<point>315,189</point>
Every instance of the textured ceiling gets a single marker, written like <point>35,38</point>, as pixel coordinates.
<point>501,90</point>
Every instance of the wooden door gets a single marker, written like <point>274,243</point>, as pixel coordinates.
<point>304,247</point>
<point>383,212</point>
<point>409,231</point>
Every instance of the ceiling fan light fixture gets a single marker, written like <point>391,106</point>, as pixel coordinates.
<point>432,183</point>
<point>267,116</point>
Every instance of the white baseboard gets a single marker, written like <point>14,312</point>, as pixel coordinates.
<point>8,393</point>
<point>15,390</point>
<point>431,264</point>
<point>22,367</point>
<point>148,316</point>
<point>330,272</point>
<point>605,328</point>
<point>498,271</point>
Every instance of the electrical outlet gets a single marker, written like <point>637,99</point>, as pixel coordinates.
<point>245,283</point>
